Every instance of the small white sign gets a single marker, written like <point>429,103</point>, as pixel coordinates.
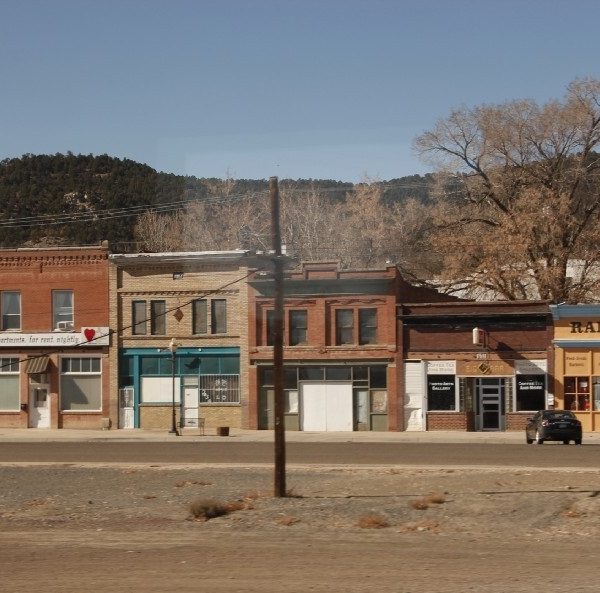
<point>88,336</point>
<point>441,367</point>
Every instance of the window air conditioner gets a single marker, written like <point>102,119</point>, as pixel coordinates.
<point>64,326</point>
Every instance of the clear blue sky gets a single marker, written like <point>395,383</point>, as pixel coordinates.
<point>329,89</point>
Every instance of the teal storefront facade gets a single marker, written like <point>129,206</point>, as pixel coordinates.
<point>203,390</point>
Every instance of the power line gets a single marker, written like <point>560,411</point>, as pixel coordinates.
<point>123,328</point>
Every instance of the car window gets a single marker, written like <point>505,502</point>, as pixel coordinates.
<point>559,415</point>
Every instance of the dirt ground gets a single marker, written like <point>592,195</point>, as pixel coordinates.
<point>69,528</point>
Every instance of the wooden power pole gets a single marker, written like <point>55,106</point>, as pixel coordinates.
<point>280,489</point>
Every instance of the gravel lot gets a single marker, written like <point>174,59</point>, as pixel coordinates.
<point>68,527</point>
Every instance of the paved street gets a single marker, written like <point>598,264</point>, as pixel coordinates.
<point>415,449</point>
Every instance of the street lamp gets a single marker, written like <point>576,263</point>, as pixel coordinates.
<point>173,345</point>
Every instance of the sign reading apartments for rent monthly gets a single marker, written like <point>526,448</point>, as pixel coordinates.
<point>89,336</point>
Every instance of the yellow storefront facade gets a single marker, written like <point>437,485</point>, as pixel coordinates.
<point>577,362</point>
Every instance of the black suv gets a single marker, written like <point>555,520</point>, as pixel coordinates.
<point>553,425</point>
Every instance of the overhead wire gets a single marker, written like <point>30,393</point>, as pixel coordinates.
<point>121,329</point>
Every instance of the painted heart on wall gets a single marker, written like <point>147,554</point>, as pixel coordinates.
<point>89,334</point>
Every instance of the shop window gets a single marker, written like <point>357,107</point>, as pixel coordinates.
<point>218,321</point>
<point>577,393</point>
<point>290,378</point>
<point>11,310</point>
<point>81,384</point>
<point>158,325</point>
<point>344,326</point>
<point>219,389</point>
<point>311,373</point>
<point>62,310</point>
<point>367,326</point>
<point>441,393</point>
<point>378,376</point>
<point>9,384</point>
<point>338,373</point>
<point>291,402</point>
<point>531,392</point>
<point>138,318</point>
<point>199,317</point>
<point>298,327</point>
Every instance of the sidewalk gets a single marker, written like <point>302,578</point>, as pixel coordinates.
<point>17,435</point>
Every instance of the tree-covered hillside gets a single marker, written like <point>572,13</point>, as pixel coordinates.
<point>62,199</point>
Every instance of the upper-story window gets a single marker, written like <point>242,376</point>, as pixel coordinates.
<point>298,327</point>
<point>158,321</point>
<point>346,320</point>
<point>218,316</point>
<point>11,310</point>
<point>138,318</point>
<point>199,317</point>
<point>62,310</point>
<point>157,318</point>
<point>367,326</point>
<point>344,326</point>
<point>270,327</point>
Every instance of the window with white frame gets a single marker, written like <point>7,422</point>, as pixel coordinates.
<point>81,384</point>
<point>11,310</point>
<point>62,310</point>
<point>9,384</point>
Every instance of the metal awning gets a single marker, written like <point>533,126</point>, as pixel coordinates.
<point>39,364</point>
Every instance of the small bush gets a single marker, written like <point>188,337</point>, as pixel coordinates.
<point>373,521</point>
<point>205,509</point>
<point>420,504</point>
<point>436,498</point>
<point>287,521</point>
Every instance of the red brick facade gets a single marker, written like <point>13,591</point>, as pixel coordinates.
<point>70,353</point>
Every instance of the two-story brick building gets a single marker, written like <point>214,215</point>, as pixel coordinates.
<point>341,352</point>
<point>198,302</point>
<point>475,365</point>
<point>54,338</point>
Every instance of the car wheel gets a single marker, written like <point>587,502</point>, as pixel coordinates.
<point>538,439</point>
<point>565,442</point>
<point>529,441</point>
<point>578,442</point>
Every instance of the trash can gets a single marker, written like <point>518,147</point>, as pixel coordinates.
<point>222,431</point>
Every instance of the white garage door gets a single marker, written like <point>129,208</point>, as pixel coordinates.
<point>414,399</point>
<point>326,407</point>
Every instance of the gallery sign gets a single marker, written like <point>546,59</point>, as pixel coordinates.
<point>88,336</point>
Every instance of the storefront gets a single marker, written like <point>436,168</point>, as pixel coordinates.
<point>328,397</point>
<point>474,394</point>
<point>203,388</point>
<point>475,366</point>
<point>577,361</point>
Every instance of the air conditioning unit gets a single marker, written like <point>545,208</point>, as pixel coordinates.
<point>64,326</point>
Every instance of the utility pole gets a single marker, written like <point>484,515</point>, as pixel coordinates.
<point>280,489</point>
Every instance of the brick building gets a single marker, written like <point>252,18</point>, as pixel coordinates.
<point>197,301</point>
<point>341,352</point>
<point>475,365</point>
<point>54,338</point>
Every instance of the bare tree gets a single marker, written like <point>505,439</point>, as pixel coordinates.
<point>528,203</point>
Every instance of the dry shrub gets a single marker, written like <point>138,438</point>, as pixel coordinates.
<point>420,504</point>
<point>425,502</point>
<point>204,509</point>
<point>572,513</point>
<point>373,521</point>
<point>436,498</point>
<point>287,521</point>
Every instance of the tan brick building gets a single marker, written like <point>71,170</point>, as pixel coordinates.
<point>54,337</point>
<point>198,301</point>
